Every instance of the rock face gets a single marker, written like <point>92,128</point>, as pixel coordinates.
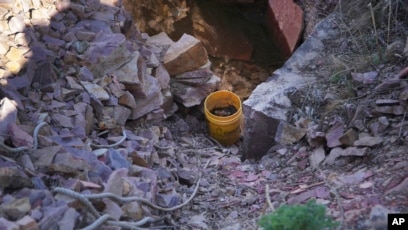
<point>286,23</point>
<point>267,107</point>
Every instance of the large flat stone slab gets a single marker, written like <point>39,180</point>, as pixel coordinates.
<point>266,109</point>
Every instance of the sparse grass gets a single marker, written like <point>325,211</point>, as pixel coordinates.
<point>309,216</point>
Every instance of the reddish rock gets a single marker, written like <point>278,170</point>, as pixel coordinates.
<point>288,134</point>
<point>334,134</point>
<point>221,35</point>
<point>286,23</point>
<point>19,137</point>
<point>187,54</point>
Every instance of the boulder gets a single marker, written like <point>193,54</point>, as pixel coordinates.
<point>285,20</point>
<point>269,103</point>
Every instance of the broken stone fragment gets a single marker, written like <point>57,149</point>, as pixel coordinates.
<point>6,224</point>
<point>19,137</point>
<point>333,135</point>
<point>132,210</point>
<point>85,74</point>
<point>69,219</point>
<point>162,76</point>
<point>8,115</point>
<point>401,188</point>
<point>187,54</point>
<point>160,39</point>
<point>186,176</point>
<point>349,151</point>
<point>195,77</point>
<point>27,223</point>
<point>316,157</point>
<point>193,95</point>
<point>43,157</point>
<point>83,121</point>
<point>118,113</point>
<point>390,109</point>
<point>16,24</point>
<point>85,35</point>
<point>168,106</point>
<point>17,208</point>
<point>152,101</point>
<point>382,102</point>
<point>44,77</point>
<point>108,50</point>
<point>95,90</point>
<point>365,78</point>
<point>404,94</point>
<point>168,200</point>
<point>12,177</point>
<point>349,137</point>
<point>62,121</point>
<point>68,94</point>
<point>67,163</point>
<point>368,141</point>
<point>128,100</point>
<point>388,84</point>
<point>117,160</point>
<point>112,209</point>
<point>136,81</point>
<point>285,20</point>
<point>129,72</point>
<point>288,134</point>
<point>379,126</point>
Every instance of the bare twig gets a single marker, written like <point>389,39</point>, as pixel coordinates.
<point>268,198</point>
<point>307,187</point>
<point>375,31</point>
<point>402,123</point>
<point>389,20</point>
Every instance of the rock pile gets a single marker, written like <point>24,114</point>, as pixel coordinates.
<point>72,52</point>
<point>72,74</point>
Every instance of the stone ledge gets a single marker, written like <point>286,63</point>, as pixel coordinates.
<point>268,104</point>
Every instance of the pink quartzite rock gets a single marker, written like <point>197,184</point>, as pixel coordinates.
<point>286,23</point>
<point>187,54</point>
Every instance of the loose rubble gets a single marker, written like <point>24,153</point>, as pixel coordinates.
<point>90,137</point>
<point>72,77</point>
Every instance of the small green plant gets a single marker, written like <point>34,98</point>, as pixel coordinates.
<point>310,216</point>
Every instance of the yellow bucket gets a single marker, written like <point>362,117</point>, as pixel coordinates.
<point>225,129</point>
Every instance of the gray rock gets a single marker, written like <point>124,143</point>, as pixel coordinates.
<point>193,95</point>
<point>268,104</point>
<point>368,141</point>
<point>153,99</point>
<point>16,24</point>
<point>95,90</point>
<point>107,50</point>
<point>288,134</point>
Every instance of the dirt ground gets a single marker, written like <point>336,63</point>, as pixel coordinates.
<point>357,190</point>
<point>362,85</point>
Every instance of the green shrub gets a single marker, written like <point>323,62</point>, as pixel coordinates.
<point>310,216</point>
